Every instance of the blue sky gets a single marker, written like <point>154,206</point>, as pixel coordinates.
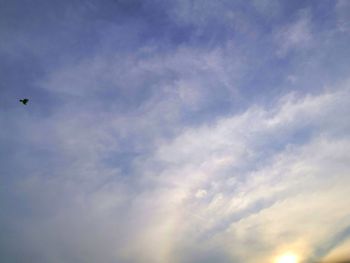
<point>174,131</point>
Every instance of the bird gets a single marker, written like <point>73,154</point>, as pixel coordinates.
<point>24,101</point>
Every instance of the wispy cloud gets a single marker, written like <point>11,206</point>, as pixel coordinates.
<point>295,35</point>
<point>180,131</point>
<point>343,18</point>
<point>247,186</point>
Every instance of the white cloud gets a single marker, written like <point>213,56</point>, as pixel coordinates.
<point>185,73</point>
<point>247,193</point>
<point>100,180</point>
<point>294,36</point>
<point>229,184</point>
<point>342,9</point>
<point>201,193</point>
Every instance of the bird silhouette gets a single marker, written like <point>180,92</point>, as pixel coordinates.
<point>24,101</point>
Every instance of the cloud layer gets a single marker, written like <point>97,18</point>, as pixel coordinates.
<point>174,131</point>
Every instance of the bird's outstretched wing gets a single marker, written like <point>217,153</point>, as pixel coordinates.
<point>24,101</point>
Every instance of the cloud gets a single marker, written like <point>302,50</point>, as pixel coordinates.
<point>221,189</point>
<point>181,80</point>
<point>173,136</point>
<point>342,11</point>
<point>294,36</point>
<point>339,253</point>
<point>242,188</point>
<point>270,9</point>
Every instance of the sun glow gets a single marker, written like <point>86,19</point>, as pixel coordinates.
<point>287,258</point>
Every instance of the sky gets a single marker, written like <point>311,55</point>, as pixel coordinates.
<point>174,131</point>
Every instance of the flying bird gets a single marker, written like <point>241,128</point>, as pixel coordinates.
<point>24,101</point>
